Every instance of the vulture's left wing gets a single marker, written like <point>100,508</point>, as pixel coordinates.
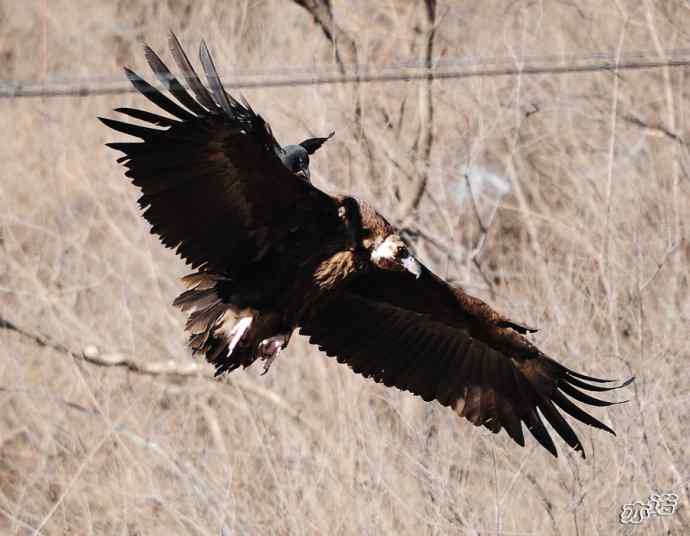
<point>422,336</point>
<point>213,184</point>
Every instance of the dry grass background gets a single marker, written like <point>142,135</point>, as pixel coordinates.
<point>591,245</point>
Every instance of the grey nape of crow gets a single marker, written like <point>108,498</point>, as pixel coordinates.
<point>272,253</point>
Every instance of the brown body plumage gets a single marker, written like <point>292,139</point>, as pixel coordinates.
<point>273,254</point>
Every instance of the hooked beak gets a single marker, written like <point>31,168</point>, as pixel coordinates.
<point>411,264</point>
<point>304,173</point>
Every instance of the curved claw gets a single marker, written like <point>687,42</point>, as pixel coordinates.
<point>269,349</point>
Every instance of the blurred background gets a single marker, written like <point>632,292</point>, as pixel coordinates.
<point>561,198</point>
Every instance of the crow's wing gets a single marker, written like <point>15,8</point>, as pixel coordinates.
<point>212,181</point>
<point>423,336</point>
<point>312,145</point>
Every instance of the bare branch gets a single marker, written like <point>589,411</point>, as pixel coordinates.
<point>660,264</point>
<point>40,340</point>
<point>92,354</point>
<point>656,129</point>
<point>425,136</point>
<point>345,49</point>
<point>483,234</point>
<point>344,46</point>
<point>164,368</point>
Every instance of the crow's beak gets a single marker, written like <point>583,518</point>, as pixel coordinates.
<point>304,173</point>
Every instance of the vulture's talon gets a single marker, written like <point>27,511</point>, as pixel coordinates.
<point>269,350</point>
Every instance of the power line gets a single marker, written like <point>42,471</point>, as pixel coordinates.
<point>456,68</point>
<point>443,62</point>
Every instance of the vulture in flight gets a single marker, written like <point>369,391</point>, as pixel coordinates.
<point>273,253</point>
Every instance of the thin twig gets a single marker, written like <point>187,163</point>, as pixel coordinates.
<point>657,129</point>
<point>169,367</point>
<point>38,339</point>
<point>345,50</point>
<point>425,136</point>
<point>483,234</point>
<point>322,12</point>
<point>660,265</point>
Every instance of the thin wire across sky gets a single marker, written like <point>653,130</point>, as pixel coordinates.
<point>444,68</point>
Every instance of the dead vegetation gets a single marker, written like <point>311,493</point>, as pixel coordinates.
<point>590,244</point>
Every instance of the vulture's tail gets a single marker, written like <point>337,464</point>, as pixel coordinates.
<point>228,336</point>
<point>208,315</point>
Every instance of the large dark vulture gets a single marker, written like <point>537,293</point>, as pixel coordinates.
<point>273,253</point>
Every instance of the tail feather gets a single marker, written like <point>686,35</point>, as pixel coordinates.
<point>198,299</point>
<point>202,280</point>
<point>205,323</point>
<point>207,319</point>
<point>212,319</point>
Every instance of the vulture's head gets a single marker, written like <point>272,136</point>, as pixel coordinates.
<point>376,239</point>
<point>391,253</point>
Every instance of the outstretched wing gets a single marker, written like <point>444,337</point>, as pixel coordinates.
<point>212,181</point>
<point>422,336</point>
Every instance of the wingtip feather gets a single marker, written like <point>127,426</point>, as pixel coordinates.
<point>214,82</point>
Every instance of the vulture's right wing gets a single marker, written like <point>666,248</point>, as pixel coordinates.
<point>212,181</point>
<point>422,336</point>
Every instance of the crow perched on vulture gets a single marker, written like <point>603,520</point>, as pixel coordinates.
<point>273,253</point>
